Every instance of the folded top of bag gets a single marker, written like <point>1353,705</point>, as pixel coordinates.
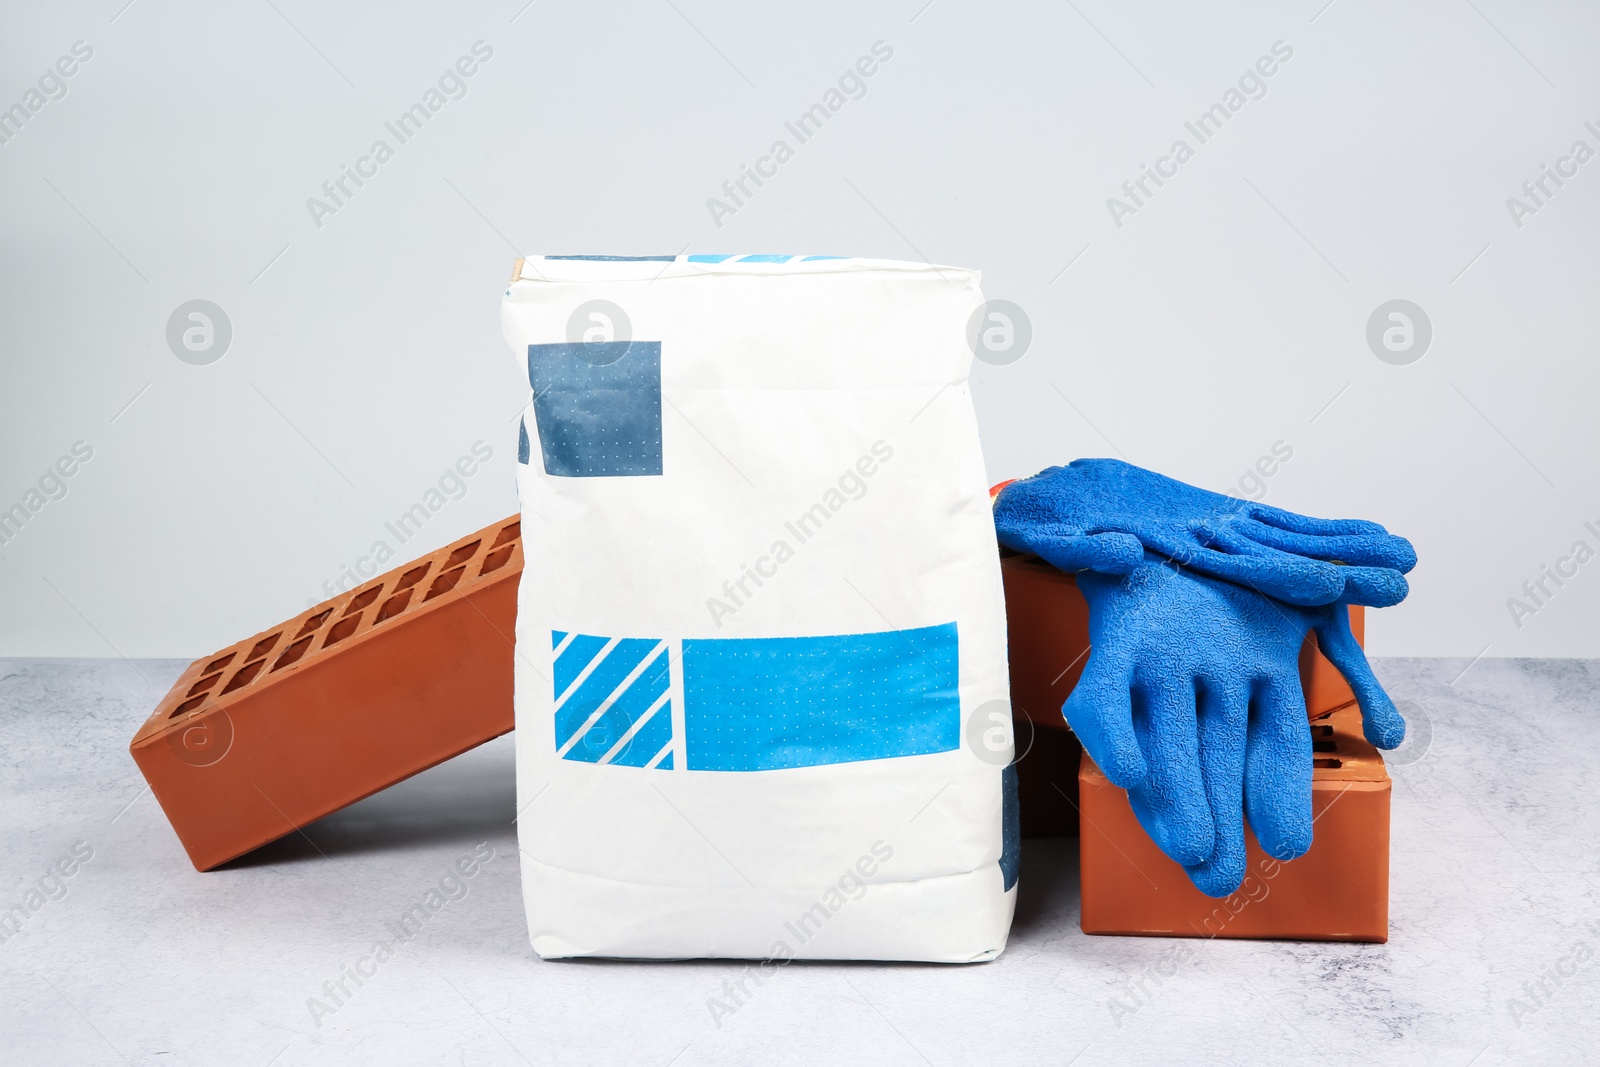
<point>750,322</point>
<point>584,268</point>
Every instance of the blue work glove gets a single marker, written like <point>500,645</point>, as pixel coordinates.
<point>1101,514</point>
<point>1191,701</point>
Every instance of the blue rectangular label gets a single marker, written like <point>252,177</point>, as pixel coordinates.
<point>597,408</point>
<point>757,704</point>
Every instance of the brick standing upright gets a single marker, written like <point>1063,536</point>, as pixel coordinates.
<point>1337,891</point>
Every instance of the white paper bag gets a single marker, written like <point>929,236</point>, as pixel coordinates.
<point>760,633</point>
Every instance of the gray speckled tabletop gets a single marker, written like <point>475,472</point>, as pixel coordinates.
<point>1493,957</point>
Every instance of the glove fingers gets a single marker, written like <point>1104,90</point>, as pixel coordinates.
<point>1224,713</point>
<point>1377,587</point>
<point>1380,722</point>
<point>1100,711</point>
<point>1028,517</point>
<point>1070,549</point>
<point>1294,522</point>
<point>1171,802</point>
<point>1379,549</point>
<point>1277,767</point>
<point>1292,579</point>
<point>1017,530</point>
<point>1365,549</point>
<point>1105,553</point>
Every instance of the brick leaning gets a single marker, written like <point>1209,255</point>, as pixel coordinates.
<point>337,703</point>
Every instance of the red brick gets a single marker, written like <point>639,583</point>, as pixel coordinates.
<point>359,692</point>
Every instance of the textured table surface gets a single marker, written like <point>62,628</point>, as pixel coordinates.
<point>1493,957</point>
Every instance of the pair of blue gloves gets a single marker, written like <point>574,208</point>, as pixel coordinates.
<point>1198,606</point>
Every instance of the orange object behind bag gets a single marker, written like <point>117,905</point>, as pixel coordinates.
<point>1047,627</point>
<point>1337,891</point>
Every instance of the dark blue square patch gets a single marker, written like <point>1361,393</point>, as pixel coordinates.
<point>597,406</point>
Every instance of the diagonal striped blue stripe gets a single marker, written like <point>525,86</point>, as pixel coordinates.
<point>628,707</point>
<point>571,663</point>
<point>651,738</point>
<point>608,674</point>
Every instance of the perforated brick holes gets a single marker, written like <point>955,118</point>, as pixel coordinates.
<point>1322,741</point>
<point>394,595</point>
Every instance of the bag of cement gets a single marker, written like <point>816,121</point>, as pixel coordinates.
<point>761,637</point>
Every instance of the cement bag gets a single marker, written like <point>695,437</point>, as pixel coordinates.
<point>761,678</point>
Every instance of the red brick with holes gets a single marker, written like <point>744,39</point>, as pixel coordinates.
<point>356,694</point>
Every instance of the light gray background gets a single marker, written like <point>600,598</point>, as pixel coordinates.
<point>1228,314</point>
